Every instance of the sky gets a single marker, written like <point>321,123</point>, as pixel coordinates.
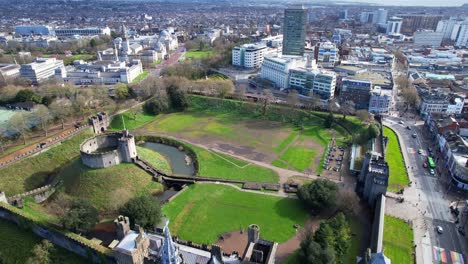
<point>413,2</point>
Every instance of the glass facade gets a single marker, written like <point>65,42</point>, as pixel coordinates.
<point>294,30</point>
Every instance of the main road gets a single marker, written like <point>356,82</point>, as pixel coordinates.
<point>428,193</point>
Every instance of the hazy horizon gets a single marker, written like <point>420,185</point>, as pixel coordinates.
<point>411,2</point>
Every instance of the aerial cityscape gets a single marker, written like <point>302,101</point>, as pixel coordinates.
<point>200,131</point>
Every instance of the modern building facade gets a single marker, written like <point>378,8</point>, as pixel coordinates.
<point>462,35</point>
<point>249,55</point>
<point>294,30</point>
<point>69,32</point>
<point>449,27</point>
<point>394,26</point>
<point>428,38</point>
<point>440,102</point>
<point>413,22</point>
<point>28,30</point>
<point>380,101</point>
<point>41,69</point>
<point>313,81</point>
<point>276,69</point>
<point>328,55</point>
<point>358,91</point>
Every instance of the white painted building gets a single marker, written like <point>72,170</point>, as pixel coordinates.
<point>41,69</point>
<point>276,69</point>
<point>249,55</point>
<point>394,26</point>
<point>428,38</point>
<point>69,32</point>
<point>440,102</point>
<point>449,27</point>
<point>100,72</point>
<point>462,37</point>
<point>328,55</point>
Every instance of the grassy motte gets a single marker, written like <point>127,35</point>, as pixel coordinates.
<point>398,175</point>
<point>107,188</point>
<point>154,158</point>
<point>205,211</point>
<point>32,172</point>
<point>131,121</point>
<point>398,240</point>
<point>16,246</point>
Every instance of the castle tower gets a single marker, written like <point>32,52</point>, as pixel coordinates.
<point>122,226</point>
<point>253,233</point>
<point>170,252</point>
<point>127,147</point>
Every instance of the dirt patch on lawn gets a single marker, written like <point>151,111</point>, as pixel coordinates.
<point>233,241</point>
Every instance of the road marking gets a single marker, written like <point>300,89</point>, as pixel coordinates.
<point>439,255</point>
<point>456,257</point>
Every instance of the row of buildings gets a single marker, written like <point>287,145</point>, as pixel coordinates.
<point>42,30</point>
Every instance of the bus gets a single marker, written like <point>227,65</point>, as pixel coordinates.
<point>430,162</point>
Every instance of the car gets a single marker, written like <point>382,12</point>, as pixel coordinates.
<point>401,122</point>
<point>439,229</point>
<point>431,171</point>
<point>414,135</point>
<point>408,127</point>
<point>420,151</point>
<point>425,165</point>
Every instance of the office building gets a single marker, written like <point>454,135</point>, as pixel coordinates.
<point>380,101</point>
<point>276,70</point>
<point>394,26</point>
<point>358,91</point>
<point>344,14</point>
<point>8,71</point>
<point>462,36</point>
<point>294,30</point>
<point>41,69</point>
<point>367,17</point>
<point>306,81</point>
<point>438,101</point>
<point>69,32</point>
<point>381,16</point>
<point>328,55</point>
<point>413,22</point>
<point>428,38</point>
<point>449,27</point>
<point>28,30</point>
<point>248,55</point>
<point>99,72</point>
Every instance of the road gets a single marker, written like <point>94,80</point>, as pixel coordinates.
<point>429,195</point>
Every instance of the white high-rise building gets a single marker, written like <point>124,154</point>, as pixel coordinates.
<point>449,27</point>
<point>249,55</point>
<point>462,37</point>
<point>394,26</point>
<point>41,69</point>
<point>276,69</point>
<point>381,16</point>
<point>428,38</point>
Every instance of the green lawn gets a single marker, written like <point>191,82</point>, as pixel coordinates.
<point>210,164</point>
<point>107,188</point>
<point>398,240</point>
<point>155,159</point>
<point>398,175</point>
<point>16,246</point>
<point>32,172</point>
<point>193,54</point>
<point>131,122</point>
<point>140,77</point>
<point>299,157</point>
<point>205,211</point>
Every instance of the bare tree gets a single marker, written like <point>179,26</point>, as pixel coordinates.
<point>61,109</point>
<point>18,124</point>
<point>363,115</point>
<point>314,100</point>
<point>347,108</point>
<point>266,100</point>
<point>293,98</point>
<point>240,91</point>
<point>42,116</point>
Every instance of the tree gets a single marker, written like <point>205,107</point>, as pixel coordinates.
<point>41,253</point>
<point>81,217</point>
<point>347,108</point>
<point>121,91</point>
<point>373,131</point>
<point>61,109</point>
<point>42,117</point>
<point>319,194</point>
<point>363,115</point>
<point>328,122</point>
<point>293,98</point>
<point>178,99</point>
<point>336,234</point>
<point>18,125</point>
<point>240,91</point>
<point>266,100</point>
<point>143,210</point>
<point>314,100</point>
<point>27,95</point>
<point>156,105</point>
<point>92,43</point>
<point>311,252</point>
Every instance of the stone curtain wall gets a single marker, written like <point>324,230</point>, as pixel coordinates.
<point>103,159</point>
<point>69,241</point>
<point>54,141</point>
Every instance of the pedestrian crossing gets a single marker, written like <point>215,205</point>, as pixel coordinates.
<point>441,256</point>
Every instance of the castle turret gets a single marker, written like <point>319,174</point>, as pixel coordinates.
<point>127,147</point>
